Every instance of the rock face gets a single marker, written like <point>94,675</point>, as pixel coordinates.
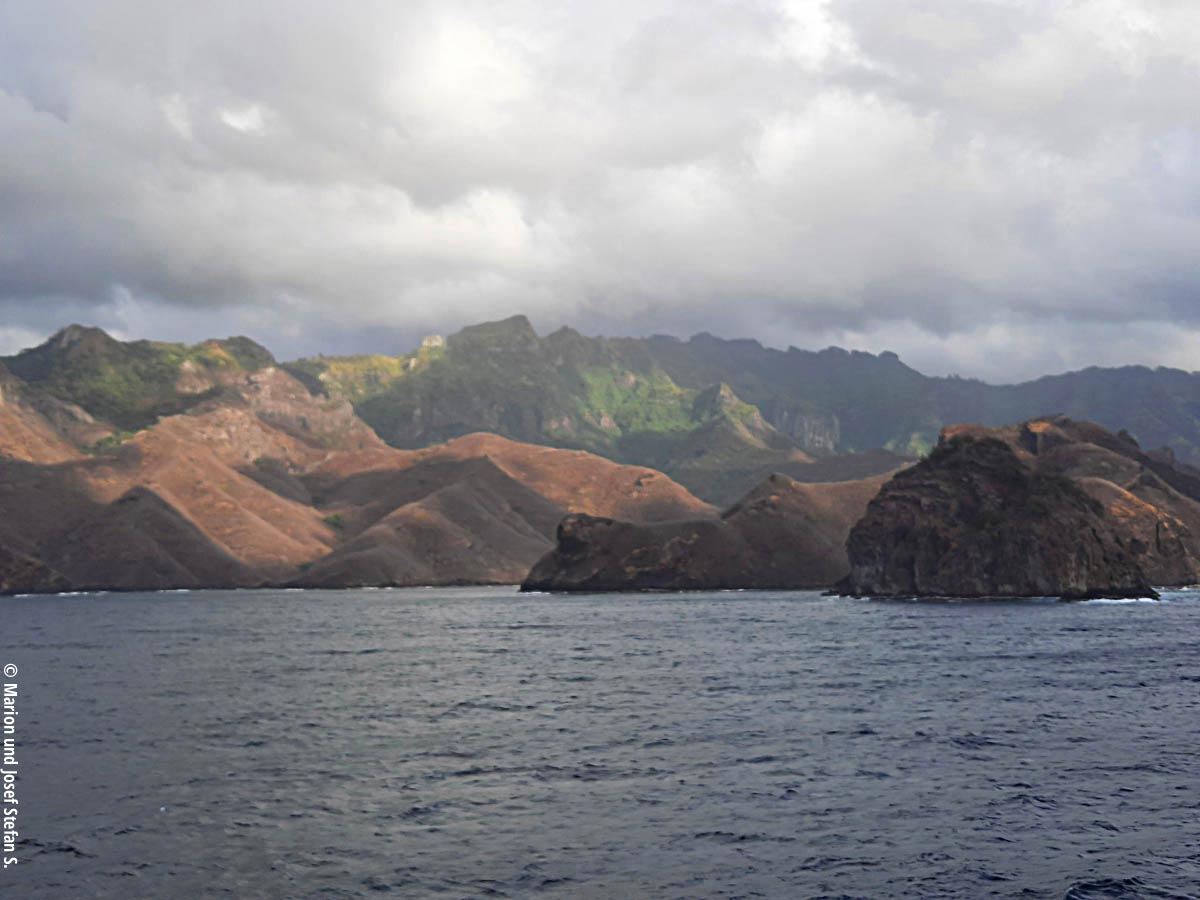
<point>20,573</point>
<point>972,520</point>
<point>783,534</point>
<point>1149,498</point>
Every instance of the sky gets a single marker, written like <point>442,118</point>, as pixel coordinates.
<point>992,188</point>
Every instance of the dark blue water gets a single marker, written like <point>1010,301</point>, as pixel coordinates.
<point>478,743</point>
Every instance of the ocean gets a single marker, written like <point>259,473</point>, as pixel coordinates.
<point>480,743</point>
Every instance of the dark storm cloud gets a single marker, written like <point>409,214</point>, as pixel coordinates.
<point>995,188</point>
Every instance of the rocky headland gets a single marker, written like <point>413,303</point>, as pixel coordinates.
<point>1149,498</point>
<point>973,520</point>
<point>1049,507</point>
<point>781,535</point>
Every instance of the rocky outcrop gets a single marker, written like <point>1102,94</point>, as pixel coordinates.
<point>782,535</point>
<point>21,574</point>
<point>1150,499</point>
<point>973,520</point>
<point>282,401</point>
<point>816,433</point>
<point>594,553</point>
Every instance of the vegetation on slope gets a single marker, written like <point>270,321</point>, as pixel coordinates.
<point>630,397</point>
<point>131,384</point>
<point>636,400</point>
<point>565,390</point>
<point>362,376</point>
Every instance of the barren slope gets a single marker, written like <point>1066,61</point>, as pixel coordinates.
<point>264,483</point>
<point>782,534</point>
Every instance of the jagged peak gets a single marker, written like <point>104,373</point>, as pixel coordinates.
<point>72,336</point>
<point>722,402</point>
<point>515,330</point>
<point>249,353</point>
<point>710,339</point>
<point>715,399</point>
<point>776,490</point>
<point>567,338</point>
<point>36,364</point>
<point>75,332</point>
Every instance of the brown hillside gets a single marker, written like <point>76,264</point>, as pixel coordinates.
<point>140,542</point>
<point>449,522</point>
<point>783,534</point>
<point>25,433</point>
<point>264,483</point>
<point>575,480</point>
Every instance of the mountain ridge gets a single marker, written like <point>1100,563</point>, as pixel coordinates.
<point>640,400</point>
<point>628,398</point>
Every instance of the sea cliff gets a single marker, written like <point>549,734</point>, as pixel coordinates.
<point>971,520</point>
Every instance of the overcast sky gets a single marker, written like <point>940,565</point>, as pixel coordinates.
<point>1001,188</point>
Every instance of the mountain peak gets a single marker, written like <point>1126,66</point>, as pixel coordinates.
<point>62,348</point>
<point>513,331</point>
<point>707,338</point>
<point>75,334</point>
<point>248,353</point>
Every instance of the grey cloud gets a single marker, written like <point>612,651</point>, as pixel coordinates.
<point>987,187</point>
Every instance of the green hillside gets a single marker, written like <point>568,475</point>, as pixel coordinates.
<point>609,397</point>
<point>130,384</point>
<point>635,398</point>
